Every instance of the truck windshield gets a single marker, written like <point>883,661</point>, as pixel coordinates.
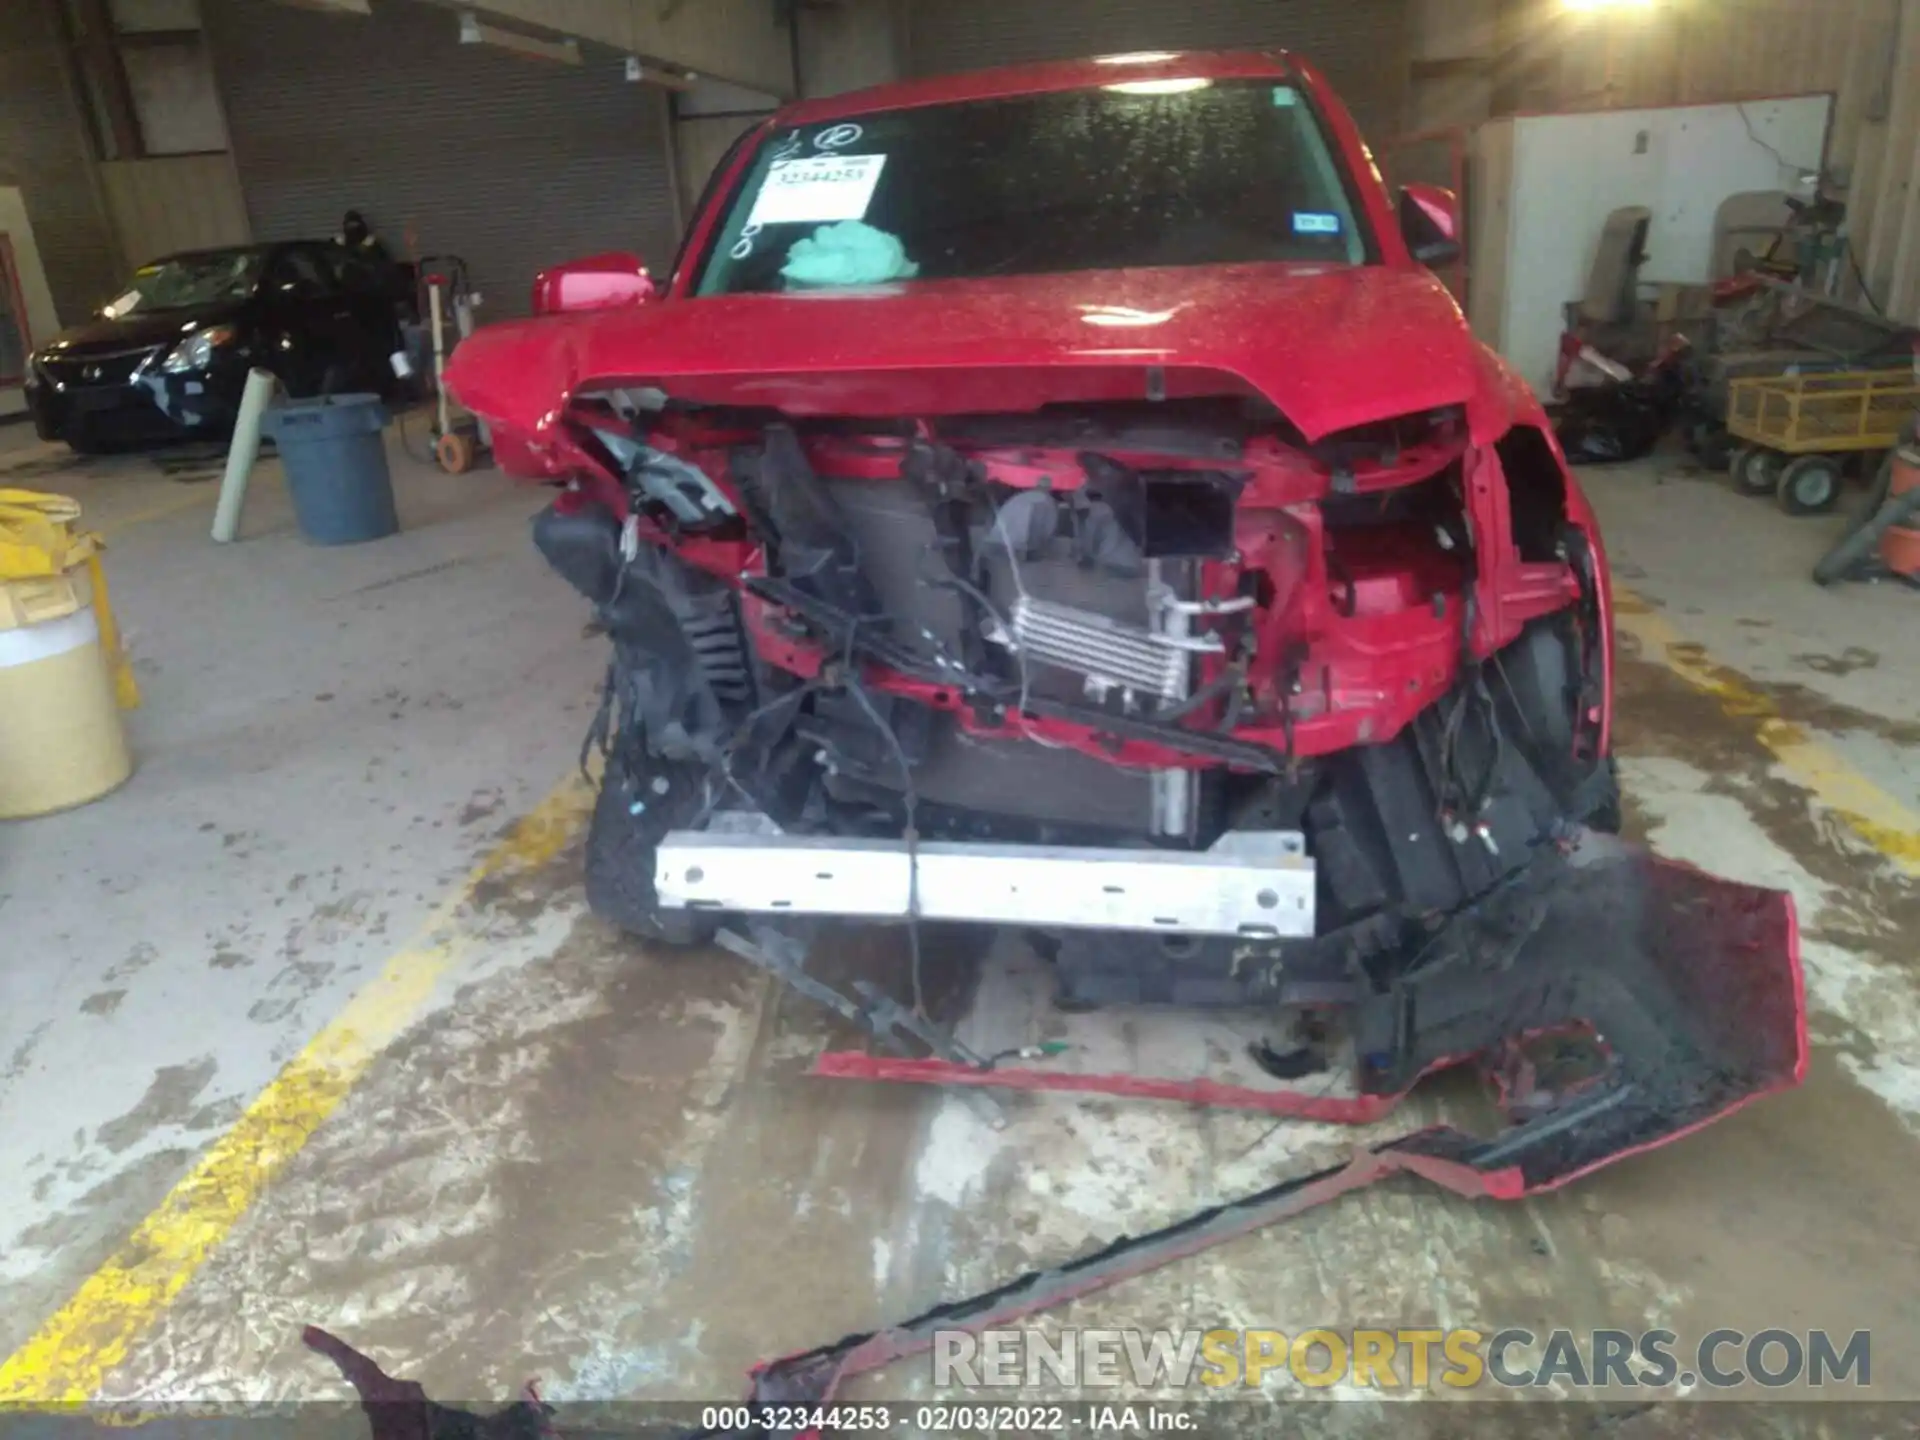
<point>1161,172</point>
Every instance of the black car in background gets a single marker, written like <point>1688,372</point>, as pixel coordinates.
<point>169,357</point>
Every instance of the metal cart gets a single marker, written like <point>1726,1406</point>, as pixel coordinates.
<point>1798,431</point>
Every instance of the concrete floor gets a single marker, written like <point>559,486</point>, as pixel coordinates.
<point>602,1165</point>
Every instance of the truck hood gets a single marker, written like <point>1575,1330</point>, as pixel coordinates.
<point>1329,347</point>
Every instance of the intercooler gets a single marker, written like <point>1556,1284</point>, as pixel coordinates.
<point>1107,655</point>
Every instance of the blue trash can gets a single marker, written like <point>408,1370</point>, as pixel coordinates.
<point>336,465</point>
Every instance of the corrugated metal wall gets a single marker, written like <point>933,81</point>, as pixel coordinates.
<point>704,141</point>
<point>509,162</point>
<point>1867,52</point>
<point>1769,46</point>
<point>1362,45</point>
<point>850,45</point>
<point>44,151</point>
<point>175,202</point>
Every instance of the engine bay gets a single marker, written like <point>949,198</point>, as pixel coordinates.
<point>1171,587</point>
<point>1118,627</point>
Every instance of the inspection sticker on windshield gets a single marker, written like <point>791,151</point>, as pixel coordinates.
<point>1310,222</point>
<point>819,188</point>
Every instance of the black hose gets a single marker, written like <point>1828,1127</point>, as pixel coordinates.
<point>1886,511</point>
<point>1234,675</point>
<point>1860,279</point>
<point>851,682</point>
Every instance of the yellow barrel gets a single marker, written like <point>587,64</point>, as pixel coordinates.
<point>62,681</point>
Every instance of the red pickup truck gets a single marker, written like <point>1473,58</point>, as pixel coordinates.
<point>1063,498</point>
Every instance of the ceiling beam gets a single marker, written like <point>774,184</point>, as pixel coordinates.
<point>475,31</point>
<point>738,40</point>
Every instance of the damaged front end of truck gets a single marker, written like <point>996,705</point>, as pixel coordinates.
<point>1215,714</point>
<point>1218,722</point>
<point>1234,631</point>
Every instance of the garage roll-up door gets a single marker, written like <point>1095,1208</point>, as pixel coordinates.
<point>1362,45</point>
<point>510,162</point>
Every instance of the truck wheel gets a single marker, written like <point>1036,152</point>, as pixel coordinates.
<point>629,820</point>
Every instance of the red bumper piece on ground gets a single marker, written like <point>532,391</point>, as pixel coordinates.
<point>1617,1003</point>
<point>1684,989</point>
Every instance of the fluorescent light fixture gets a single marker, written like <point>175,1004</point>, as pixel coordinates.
<point>1137,57</point>
<point>1160,87</point>
<point>475,31</point>
<point>1590,6</point>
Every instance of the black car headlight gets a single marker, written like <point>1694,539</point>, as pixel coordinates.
<point>196,351</point>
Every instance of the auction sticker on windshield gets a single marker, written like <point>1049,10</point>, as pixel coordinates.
<point>819,188</point>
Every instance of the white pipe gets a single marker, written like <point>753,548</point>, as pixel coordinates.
<point>242,453</point>
<point>463,322</point>
<point>1173,792</point>
<point>438,319</point>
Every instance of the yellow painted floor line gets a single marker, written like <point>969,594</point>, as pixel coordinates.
<point>200,495</point>
<point>68,1358</point>
<point>1875,816</point>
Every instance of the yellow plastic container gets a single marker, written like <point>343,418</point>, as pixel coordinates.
<point>63,681</point>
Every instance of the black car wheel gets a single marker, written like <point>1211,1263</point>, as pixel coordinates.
<point>82,443</point>
<point>632,815</point>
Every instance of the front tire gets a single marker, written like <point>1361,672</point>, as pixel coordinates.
<point>83,444</point>
<point>623,839</point>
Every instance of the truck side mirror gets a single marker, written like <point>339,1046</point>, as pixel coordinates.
<point>596,282</point>
<point>1430,222</point>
